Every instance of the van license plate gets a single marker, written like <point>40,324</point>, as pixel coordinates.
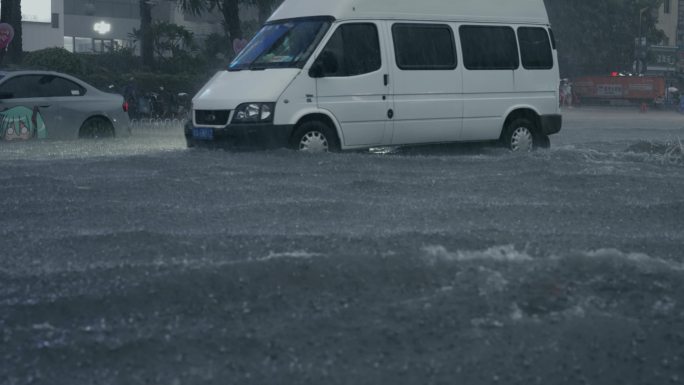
<point>203,133</point>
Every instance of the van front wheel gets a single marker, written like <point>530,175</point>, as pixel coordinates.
<point>520,136</point>
<point>315,136</point>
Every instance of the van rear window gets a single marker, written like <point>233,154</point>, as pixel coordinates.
<point>535,48</point>
<point>424,47</point>
<point>489,47</point>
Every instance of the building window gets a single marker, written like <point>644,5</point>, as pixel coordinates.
<point>69,43</point>
<point>83,44</point>
<point>666,5</point>
<point>55,20</point>
<point>97,45</point>
<point>89,45</point>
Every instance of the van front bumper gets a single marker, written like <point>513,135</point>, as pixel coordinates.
<point>551,124</point>
<point>240,136</point>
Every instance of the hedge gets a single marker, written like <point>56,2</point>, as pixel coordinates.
<point>113,71</point>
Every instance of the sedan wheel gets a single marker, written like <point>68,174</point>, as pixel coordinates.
<point>96,127</point>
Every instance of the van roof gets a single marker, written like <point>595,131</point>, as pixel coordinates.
<point>485,11</point>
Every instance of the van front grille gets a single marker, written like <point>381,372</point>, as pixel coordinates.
<point>212,117</point>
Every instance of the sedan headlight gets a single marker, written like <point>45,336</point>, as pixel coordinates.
<point>254,113</point>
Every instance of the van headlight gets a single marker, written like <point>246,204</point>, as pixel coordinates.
<point>254,113</point>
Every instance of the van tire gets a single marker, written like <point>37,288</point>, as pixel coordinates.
<point>520,136</point>
<point>543,141</point>
<point>314,136</point>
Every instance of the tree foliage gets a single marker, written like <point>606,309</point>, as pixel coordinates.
<point>168,40</point>
<point>598,36</point>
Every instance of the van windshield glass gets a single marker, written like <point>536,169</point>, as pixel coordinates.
<point>287,44</point>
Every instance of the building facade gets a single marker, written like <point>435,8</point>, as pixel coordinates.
<point>99,26</point>
<point>663,57</point>
<point>42,24</point>
<point>102,25</point>
<point>96,26</point>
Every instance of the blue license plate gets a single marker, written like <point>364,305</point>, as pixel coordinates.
<point>203,133</point>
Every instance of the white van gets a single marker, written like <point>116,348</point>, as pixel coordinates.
<point>328,75</point>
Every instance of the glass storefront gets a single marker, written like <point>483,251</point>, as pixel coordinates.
<point>83,44</point>
<point>91,45</point>
<point>69,43</point>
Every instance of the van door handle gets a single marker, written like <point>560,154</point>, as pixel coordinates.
<point>390,113</point>
<point>386,79</point>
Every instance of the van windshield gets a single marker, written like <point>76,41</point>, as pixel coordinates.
<point>285,44</point>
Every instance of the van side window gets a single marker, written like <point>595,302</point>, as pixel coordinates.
<point>354,49</point>
<point>424,47</point>
<point>535,48</point>
<point>489,48</point>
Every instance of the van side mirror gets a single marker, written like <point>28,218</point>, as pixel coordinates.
<point>325,64</point>
<point>316,70</point>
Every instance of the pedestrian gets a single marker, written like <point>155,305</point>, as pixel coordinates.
<point>130,94</point>
<point>561,93</point>
<point>567,98</point>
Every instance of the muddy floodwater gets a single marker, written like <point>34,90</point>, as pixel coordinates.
<point>138,261</point>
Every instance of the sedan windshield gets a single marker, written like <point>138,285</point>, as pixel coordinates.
<point>286,44</point>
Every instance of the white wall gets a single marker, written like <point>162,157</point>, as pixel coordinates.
<point>667,22</point>
<point>37,36</point>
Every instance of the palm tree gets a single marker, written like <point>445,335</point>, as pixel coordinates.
<point>11,14</point>
<point>265,8</point>
<point>145,33</point>
<point>230,10</point>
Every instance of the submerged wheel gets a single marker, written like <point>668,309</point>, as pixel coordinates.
<point>96,127</point>
<point>315,136</point>
<point>544,141</point>
<point>519,136</point>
